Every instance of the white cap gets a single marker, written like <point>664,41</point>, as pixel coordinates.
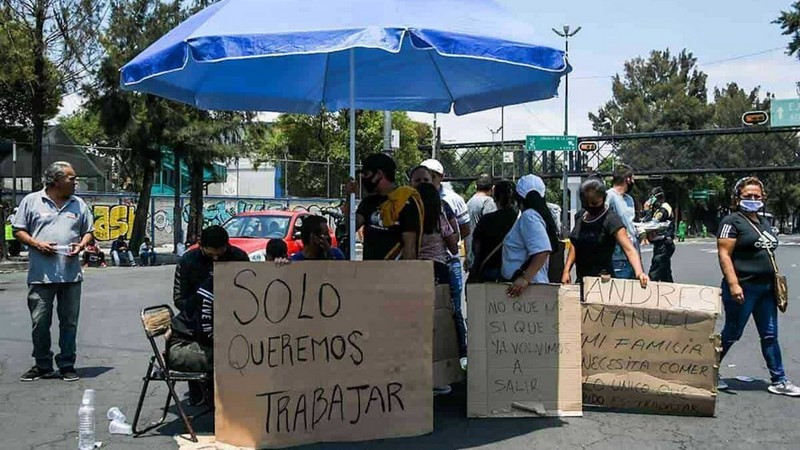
<point>530,183</point>
<point>433,165</point>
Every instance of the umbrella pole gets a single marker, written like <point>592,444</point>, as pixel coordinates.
<point>352,240</point>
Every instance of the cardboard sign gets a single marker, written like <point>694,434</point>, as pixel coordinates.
<point>322,351</point>
<point>524,353</point>
<point>446,363</point>
<point>652,349</point>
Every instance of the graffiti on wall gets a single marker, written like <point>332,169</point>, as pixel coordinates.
<point>112,221</point>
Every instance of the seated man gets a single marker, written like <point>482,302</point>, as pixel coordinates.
<point>121,254</point>
<point>93,256</point>
<point>190,344</point>
<point>277,250</point>
<point>316,238</point>
<point>147,254</point>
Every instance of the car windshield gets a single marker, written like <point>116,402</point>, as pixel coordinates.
<point>257,227</point>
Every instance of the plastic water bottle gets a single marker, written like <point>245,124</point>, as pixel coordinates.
<point>86,421</point>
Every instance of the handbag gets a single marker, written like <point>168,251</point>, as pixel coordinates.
<point>781,285</point>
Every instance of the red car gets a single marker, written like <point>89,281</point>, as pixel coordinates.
<point>250,231</point>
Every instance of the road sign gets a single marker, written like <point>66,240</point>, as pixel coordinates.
<point>556,143</point>
<point>702,194</point>
<point>588,146</point>
<point>508,157</point>
<point>755,118</point>
<point>785,113</point>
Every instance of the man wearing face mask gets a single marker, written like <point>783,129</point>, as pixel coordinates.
<point>391,215</point>
<point>621,203</point>
<point>657,210</point>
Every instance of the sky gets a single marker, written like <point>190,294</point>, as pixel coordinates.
<point>614,31</point>
<point>733,40</point>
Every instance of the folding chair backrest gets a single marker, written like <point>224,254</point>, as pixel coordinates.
<point>156,320</point>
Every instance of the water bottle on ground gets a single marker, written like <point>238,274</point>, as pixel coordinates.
<point>86,421</point>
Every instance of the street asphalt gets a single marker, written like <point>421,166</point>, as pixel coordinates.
<point>113,353</point>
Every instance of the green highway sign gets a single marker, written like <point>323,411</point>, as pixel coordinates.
<point>558,143</point>
<point>784,113</point>
<point>702,194</point>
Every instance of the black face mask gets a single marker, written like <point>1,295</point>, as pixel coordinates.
<point>370,184</point>
<point>594,211</point>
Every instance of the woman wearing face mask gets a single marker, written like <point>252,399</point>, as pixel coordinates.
<point>527,247</point>
<point>745,245</point>
<point>597,231</point>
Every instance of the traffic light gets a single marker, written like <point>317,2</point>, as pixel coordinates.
<point>587,146</point>
<point>755,118</point>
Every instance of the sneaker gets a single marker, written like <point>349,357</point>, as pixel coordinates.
<point>721,385</point>
<point>36,373</point>
<point>69,374</point>
<point>784,387</point>
<point>442,390</point>
<point>463,363</point>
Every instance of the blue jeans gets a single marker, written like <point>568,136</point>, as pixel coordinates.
<point>40,304</point>
<point>759,301</point>
<point>623,269</point>
<point>456,290</point>
<point>148,257</point>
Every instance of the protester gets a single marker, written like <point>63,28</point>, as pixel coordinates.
<point>121,254</point>
<point>277,249</point>
<point>621,203</point>
<point>459,209</point>
<point>478,206</point>
<point>93,256</point>
<point>316,237</point>
<point>147,254</point>
<point>56,225</point>
<point>439,238</point>
<point>193,287</point>
<point>659,211</point>
<point>597,232</point>
<point>746,249</point>
<point>487,243</point>
<point>391,215</point>
<point>527,247</point>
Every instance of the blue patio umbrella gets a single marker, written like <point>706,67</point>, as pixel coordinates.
<point>302,56</point>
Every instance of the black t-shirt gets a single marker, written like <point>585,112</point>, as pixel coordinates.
<point>387,242</point>
<point>594,243</point>
<point>751,259</point>
<point>490,232</point>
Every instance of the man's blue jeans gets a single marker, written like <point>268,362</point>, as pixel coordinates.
<point>41,298</point>
<point>623,270</point>
<point>456,290</point>
<point>759,301</point>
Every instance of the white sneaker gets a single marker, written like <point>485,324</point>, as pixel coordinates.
<point>463,363</point>
<point>442,390</point>
<point>784,387</point>
<point>721,385</point>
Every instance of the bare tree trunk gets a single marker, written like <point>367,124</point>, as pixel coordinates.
<point>38,98</point>
<point>196,197</point>
<point>142,208</point>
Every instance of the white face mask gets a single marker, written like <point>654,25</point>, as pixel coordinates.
<point>750,205</point>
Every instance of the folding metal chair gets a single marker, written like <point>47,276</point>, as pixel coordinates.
<point>157,321</point>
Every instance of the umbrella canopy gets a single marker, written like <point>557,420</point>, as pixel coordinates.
<point>292,56</point>
<point>301,56</point>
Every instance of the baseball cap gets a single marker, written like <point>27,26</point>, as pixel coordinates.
<point>530,183</point>
<point>433,165</point>
<point>379,161</point>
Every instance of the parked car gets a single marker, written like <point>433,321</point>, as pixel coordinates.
<point>250,231</point>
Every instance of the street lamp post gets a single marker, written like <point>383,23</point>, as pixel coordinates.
<point>494,133</point>
<point>568,156</point>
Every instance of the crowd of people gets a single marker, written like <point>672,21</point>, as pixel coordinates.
<point>513,234</point>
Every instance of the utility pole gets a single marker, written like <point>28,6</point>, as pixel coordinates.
<point>494,133</point>
<point>435,138</point>
<point>568,156</point>
<point>13,174</point>
<point>387,132</point>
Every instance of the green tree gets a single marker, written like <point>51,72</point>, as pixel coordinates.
<point>790,24</point>
<point>84,127</point>
<point>56,45</point>
<point>325,137</point>
<point>139,122</point>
